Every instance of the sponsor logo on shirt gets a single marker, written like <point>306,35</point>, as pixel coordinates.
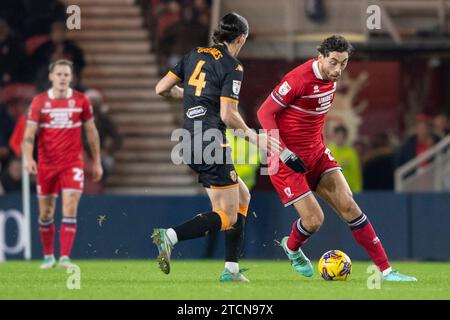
<point>326,99</point>
<point>195,112</point>
<point>61,118</point>
<point>284,88</point>
<point>236,87</point>
<point>325,103</point>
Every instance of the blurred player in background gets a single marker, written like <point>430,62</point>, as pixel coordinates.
<point>347,157</point>
<point>212,80</point>
<point>297,107</point>
<point>58,116</point>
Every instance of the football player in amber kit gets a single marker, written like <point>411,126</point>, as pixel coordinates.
<point>212,80</point>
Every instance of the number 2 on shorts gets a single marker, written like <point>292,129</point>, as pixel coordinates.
<point>78,174</point>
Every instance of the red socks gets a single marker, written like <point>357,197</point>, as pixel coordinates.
<point>67,233</point>
<point>47,231</point>
<point>362,231</point>
<point>298,236</point>
<point>364,234</point>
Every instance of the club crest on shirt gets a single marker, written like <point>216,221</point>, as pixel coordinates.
<point>47,105</point>
<point>284,88</point>
<point>316,89</point>
<point>71,103</point>
<point>236,87</point>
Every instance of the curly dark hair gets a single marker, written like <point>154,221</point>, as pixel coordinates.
<point>335,43</point>
<point>231,26</point>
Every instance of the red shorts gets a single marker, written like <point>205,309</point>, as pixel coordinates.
<point>293,186</point>
<point>50,181</point>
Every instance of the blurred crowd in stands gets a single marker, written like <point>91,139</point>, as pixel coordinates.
<point>177,26</point>
<point>33,34</point>
<point>370,165</point>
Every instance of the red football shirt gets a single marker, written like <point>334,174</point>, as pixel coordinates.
<point>306,98</point>
<point>59,122</point>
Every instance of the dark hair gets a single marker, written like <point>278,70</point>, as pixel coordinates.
<point>341,129</point>
<point>231,26</point>
<point>60,62</point>
<point>335,43</point>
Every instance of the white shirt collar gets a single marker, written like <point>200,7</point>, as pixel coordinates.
<point>52,96</point>
<point>315,66</point>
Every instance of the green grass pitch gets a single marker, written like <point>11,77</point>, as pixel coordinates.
<point>138,279</point>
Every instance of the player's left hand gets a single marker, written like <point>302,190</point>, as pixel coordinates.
<point>293,161</point>
<point>97,172</point>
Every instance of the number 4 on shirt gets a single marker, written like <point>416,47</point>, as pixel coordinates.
<point>197,78</point>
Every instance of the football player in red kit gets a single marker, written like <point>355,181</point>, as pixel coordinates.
<point>58,116</point>
<point>297,107</point>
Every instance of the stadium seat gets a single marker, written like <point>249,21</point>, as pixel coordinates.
<point>31,44</point>
<point>17,91</point>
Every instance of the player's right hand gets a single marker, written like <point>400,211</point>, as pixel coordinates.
<point>31,166</point>
<point>97,172</point>
<point>293,161</point>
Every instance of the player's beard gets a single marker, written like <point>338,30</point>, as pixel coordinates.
<point>333,78</point>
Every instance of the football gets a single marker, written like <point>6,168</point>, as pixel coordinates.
<point>335,265</point>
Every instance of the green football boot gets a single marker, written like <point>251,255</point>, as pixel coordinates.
<point>395,276</point>
<point>227,276</point>
<point>49,262</point>
<point>164,248</point>
<point>299,261</point>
